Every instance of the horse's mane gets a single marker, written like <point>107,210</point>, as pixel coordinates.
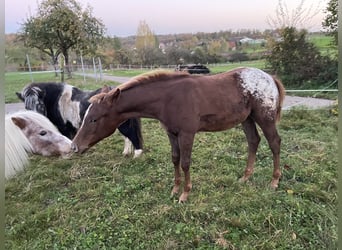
<point>17,146</point>
<point>152,76</point>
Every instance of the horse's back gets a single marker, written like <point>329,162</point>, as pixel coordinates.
<point>224,100</point>
<point>256,89</point>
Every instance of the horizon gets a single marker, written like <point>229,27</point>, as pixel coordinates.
<point>190,17</point>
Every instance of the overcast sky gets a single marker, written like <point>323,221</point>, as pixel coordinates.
<point>122,18</point>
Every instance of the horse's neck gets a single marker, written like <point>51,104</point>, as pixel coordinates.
<point>143,104</point>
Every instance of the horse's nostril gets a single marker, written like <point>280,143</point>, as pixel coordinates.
<point>74,147</point>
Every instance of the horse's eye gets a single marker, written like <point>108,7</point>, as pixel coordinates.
<point>93,120</point>
<point>42,133</point>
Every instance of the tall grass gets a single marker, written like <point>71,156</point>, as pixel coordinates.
<point>101,200</point>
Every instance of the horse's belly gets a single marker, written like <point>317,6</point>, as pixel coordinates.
<point>219,123</point>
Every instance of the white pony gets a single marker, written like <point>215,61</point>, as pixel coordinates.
<point>27,132</point>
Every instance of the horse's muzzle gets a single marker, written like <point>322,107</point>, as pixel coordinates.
<point>74,148</point>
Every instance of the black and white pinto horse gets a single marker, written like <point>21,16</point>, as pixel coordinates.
<point>65,106</point>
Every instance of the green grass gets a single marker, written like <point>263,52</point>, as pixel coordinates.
<point>219,68</point>
<point>101,200</point>
<point>214,68</point>
<point>324,44</point>
<point>127,72</point>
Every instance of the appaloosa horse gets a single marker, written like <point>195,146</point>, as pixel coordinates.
<point>65,106</point>
<point>186,104</point>
<point>27,132</point>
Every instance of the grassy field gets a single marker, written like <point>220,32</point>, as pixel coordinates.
<point>101,200</point>
<point>214,68</point>
<point>324,44</point>
<point>14,82</point>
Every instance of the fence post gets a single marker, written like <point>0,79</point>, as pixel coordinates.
<point>61,66</point>
<point>29,65</point>
<point>94,65</point>
<point>84,78</point>
<point>100,68</point>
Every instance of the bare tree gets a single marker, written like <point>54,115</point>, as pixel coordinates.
<point>299,17</point>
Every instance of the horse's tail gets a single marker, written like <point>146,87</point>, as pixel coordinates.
<point>281,90</point>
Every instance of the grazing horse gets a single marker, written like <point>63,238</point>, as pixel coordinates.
<point>186,104</point>
<point>65,106</point>
<point>27,132</point>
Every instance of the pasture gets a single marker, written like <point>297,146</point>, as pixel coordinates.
<point>15,81</point>
<point>101,200</point>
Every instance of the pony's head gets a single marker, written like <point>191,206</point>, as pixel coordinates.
<point>33,97</point>
<point>100,120</point>
<point>43,136</point>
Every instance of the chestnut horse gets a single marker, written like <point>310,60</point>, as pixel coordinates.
<point>186,104</point>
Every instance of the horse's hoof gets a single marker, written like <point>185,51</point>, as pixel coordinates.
<point>67,156</point>
<point>243,179</point>
<point>125,154</point>
<point>184,197</point>
<point>274,185</point>
<point>137,153</point>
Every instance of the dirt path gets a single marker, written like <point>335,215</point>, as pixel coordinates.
<point>308,102</point>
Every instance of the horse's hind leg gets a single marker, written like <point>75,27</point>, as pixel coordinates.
<point>253,140</point>
<point>273,138</point>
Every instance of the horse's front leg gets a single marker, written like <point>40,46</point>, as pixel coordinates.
<point>185,142</point>
<point>175,159</point>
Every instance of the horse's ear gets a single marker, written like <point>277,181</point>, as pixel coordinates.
<point>19,96</point>
<point>113,95</point>
<point>20,122</point>
<point>105,89</point>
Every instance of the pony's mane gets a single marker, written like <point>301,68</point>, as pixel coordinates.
<point>17,148</point>
<point>152,76</point>
<point>31,89</point>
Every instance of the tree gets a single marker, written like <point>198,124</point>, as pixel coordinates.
<point>199,55</point>
<point>62,25</point>
<point>296,60</point>
<point>145,43</point>
<point>330,22</point>
<point>299,17</point>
